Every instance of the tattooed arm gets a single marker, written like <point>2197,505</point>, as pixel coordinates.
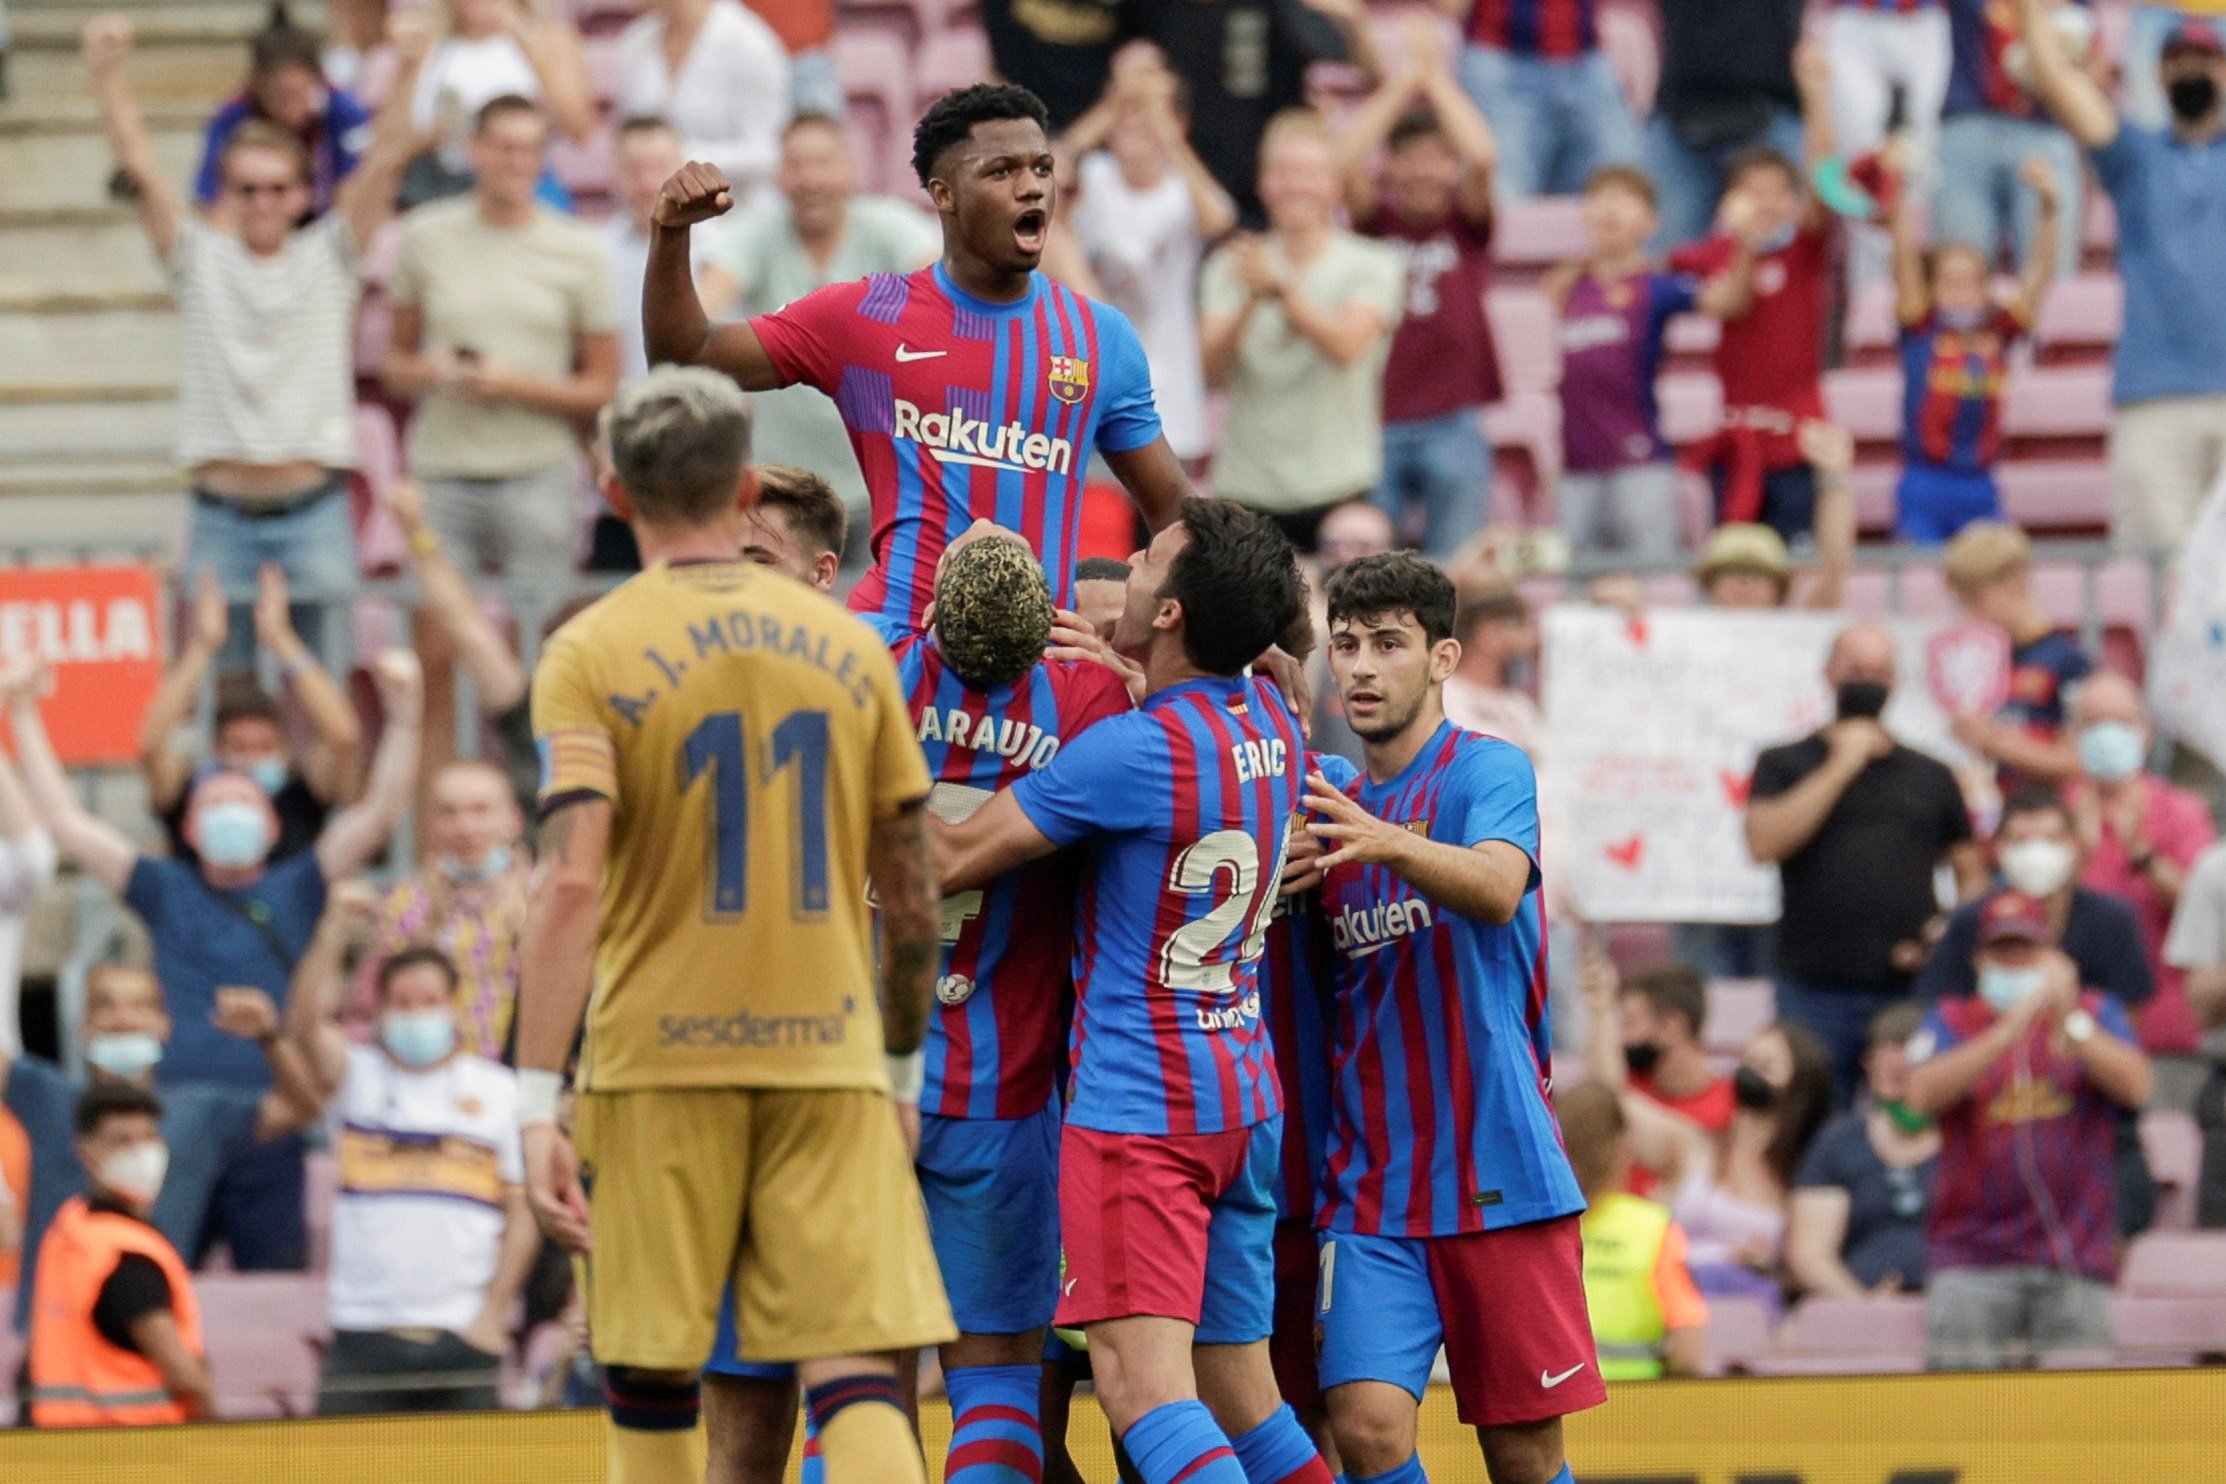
<point>556,968</point>
<point>911,926</point>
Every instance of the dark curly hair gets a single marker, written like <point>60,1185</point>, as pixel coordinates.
<point>992,611</point>
<point>1393,583</point>
<point>952,117</point>
<point>1238,581</point>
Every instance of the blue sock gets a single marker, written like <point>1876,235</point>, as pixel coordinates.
<point>996,1433</point>
<point>1278,1451</point>
<point>1178,1443</point>
<point>1409,1472</point>
<point>813,1470</point>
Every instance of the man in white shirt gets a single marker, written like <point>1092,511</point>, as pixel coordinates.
<point>728,94</point>
<point>431,1238</point>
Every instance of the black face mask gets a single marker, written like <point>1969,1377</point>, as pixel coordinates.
<point>1752,1091</point>
<point>1864,699</point>
<point>2192,95</point>
<point>1642,1057</point>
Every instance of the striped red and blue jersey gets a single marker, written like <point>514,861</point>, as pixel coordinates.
<point>2027,1174</point>
<point>1298,995</point>
<point>993,1043</point>
<point>960,409</point>
<point>1952,379</point>
<point>1183,808</point>
<point>1440,1123</point>
<point>1889,7</point>
<point>1536,28</point>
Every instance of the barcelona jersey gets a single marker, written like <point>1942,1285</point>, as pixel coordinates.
<point>1952,381</point>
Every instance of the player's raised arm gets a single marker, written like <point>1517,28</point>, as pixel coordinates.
<point>674,326</point>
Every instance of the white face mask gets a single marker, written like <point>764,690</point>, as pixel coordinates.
<point>2038,868</point>
<point>137,1173</point>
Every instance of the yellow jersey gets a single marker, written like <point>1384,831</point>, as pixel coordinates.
<point>748,732</point>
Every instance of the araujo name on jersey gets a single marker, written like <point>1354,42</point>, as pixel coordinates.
<point>960,439</point>
<point>1023,742</point>
<point>1359,932</point>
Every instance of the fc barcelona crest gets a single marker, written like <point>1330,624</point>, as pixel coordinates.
<point>1069,378</point>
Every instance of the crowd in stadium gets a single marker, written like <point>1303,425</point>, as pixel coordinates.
<point>411,267</point>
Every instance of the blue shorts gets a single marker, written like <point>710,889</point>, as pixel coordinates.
<point>1932,503</point>
<point>992,1192</point>
<point>726,1347</point>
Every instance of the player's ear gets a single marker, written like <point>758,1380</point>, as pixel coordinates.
<point>1445,658</point>
<point>1170,614</point>
<point>939,192</point>
<point>614,494</point>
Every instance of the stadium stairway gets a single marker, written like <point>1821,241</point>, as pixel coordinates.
<point>88,333</point>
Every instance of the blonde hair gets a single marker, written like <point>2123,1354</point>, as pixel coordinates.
<point>1984,553</point>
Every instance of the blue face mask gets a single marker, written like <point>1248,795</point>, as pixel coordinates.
<point>2111,751</point>
<point>269,774</point>
<point>125,1054</point>
<point>234,834</point>
<point>419,1038</point>
<point>2002,988</point>
<point>493,864</point>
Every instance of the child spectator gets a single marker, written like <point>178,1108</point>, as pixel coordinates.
<point>286,88</point>
<point>1148,208</point>
<point>1771,355</point>
<point>1989,566</point>
<point>1431,204</point>
<point>1955,346</point>
<point>1618,489</point>
<point>1648,1319</point>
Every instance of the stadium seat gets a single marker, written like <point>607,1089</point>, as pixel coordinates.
<point>2056,404</point>
<point>264,1331</point>
<point>1738,1334</point>
<point>876,73</point>
<point>2080,318</point>
<point>1536,234</point>
<point>951,59</point>
<point>1692,338</point>
<point>321,1188</point>
<point>2174,1146</point>
<point>605,68</point>
<point>1872,1335</point>
<point>1866,400</point>
<point>374,323</point>
<point>2098,230</point>
<point>1525,431</point>
<point>2160,1330</point>
<point>2056,497</point>
<point>1875,505</point>
<point>1692,404</point>
<point>1872,333</point>
<point>2175,1264</point>
<point>588,168</point>
<point>1738,1011</point>
<point>386,248</point>
<point>379,541</point>
<point>1527,336</point>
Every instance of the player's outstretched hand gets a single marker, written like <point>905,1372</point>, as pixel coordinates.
<point>553,1187</point>
<point>695,193</point>
<point>1350,833</point>
<point>1290,678</point>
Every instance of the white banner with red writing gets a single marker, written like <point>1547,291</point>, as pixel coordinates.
<point>1653,724</point>
<point>2187,661</point>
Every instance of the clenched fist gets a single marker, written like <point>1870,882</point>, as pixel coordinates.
<point>696,193</point>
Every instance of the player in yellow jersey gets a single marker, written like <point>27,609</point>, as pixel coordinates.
<point>726,761</point>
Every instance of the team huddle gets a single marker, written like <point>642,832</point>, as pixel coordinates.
<point>1226,1058</point>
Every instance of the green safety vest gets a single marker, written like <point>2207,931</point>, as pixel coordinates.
<point>1622,1242</point>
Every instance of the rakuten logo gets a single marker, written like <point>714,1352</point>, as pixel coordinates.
<point>959,439</point>
<point>1360,933</point>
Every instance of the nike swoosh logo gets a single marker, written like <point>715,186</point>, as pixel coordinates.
<point>906,355</point>
<point>1068,1290</point>
<point>1550,1381</point>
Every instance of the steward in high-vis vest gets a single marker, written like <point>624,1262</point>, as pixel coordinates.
<point>115,1330</point>
<point>1648,1319</point>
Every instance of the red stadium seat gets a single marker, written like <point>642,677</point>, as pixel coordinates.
<point>1821,1336</point>
<point>2057,404</point>
<point>1875,507</point>
<point>2167,1331</point>
<point>910,20</point>
<point>1526,332</point>
<point>952,59</point>
<point>2098,230</point>
<point>386,248</point>
<point>2175,1264</point>
<point>1871,329</point>
<point>1866,401</point>
<point>2056,496</point>
<point>605,68</point>
<point>263,1330</point>
<point>1536,234</point>
<point>1738,1334</point>
<point>2174,1146</point>
<point>2081,317</point>
<point>1525,430</point>
<point>1692,404</point>
<point>1738,1011</point>
<point>374,323</point>
<point>379,541</point>
<point>1692,339</point>
<point>588,168</point>
<point>876,73</point>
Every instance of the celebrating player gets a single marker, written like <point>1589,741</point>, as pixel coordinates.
<point>1168,1160</point>
<point>734,1114</point>
<point>973,389</point>
<point>1450,1210</point>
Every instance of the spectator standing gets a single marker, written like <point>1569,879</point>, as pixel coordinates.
<point>431,1238</point>
<point>1857,825</point>
<point>1956,339</point>
<point>504,335</point>
<point>1148,208</point>
<point>2026,1076</point>
<point>2197,946</point>
<point>2141,836</point>
<point>649,152</point>
<point>1295,326</point>
<point>249,732</point>
<point>1618,490</point>
<point>1770,356</point>
<point>1245,63</point>
<point>492,49</point>
<point>2168,440</point>
<point>115,1329</point>
<point>1890,65</point>
<point>1860,1201</point>
<point>1431,203</point>
<point>821,231</point>
<point>1727,88</point>
<point>1555,103</point>
<point>1989,129</point>
<point>27,860</point>
<point>286,88</point>
<point>266,386</point>
<point>1060,50</point>
<point>719,75</point>
<point>1989,567</point>
<point>125,1032</point>
<point>1648,1319</point>
<point>233,918</point>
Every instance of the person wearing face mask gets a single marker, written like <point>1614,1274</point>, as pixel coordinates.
<point>232,917</point>
<point>1857,825</point>
<point>430,1167</point>
<point>2168,440</point>
<point>2027,1074</point>
<point>124,1034</point>
<point>2141,836</point>
<point>1859,1202</point>
<point>115,1329</point>
<point>468,898</point>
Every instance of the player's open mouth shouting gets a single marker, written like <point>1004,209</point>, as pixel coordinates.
<point>1030,229</point>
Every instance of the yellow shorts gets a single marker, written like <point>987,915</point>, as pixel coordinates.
<point>805,1198</point>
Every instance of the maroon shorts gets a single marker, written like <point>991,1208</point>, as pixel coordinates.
<point>1298,1266</point>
